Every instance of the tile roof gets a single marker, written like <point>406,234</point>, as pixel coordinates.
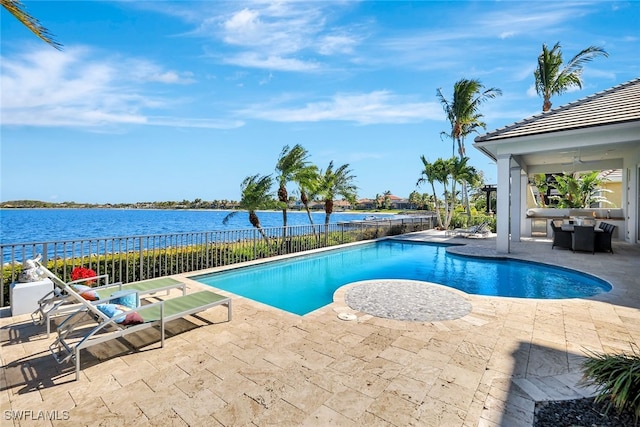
<point>619,104</point>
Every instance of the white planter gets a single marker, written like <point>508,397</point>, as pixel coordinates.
<point>25,296</point>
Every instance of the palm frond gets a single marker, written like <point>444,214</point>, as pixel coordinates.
<point>17,9</point>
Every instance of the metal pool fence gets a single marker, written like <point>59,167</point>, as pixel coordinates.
<point>134,258</point>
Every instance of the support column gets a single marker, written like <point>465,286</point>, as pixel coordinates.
<point>516,195</point>
<point>503,203</point>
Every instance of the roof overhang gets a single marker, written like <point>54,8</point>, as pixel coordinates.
<point>593,148</point>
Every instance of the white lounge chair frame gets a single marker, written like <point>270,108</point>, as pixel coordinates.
<point>107,328</point>
<point>59,301</point>
<point>476,230</point>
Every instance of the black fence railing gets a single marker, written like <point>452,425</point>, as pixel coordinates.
<point>134,258</point>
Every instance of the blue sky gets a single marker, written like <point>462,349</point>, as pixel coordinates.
<point>159,100</point>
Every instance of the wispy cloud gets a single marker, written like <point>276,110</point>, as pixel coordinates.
<point>194,123</point>
<point>480,35</point>
<point>75,88</point>
<point>279,36</point>
<point>275,63</point>
<point>365,108</point>
<point>530,18</point>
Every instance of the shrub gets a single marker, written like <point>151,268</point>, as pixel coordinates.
<point>461,220</point>
<point>617,380</point>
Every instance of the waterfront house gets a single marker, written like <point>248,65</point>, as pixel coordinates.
<point>598,132</point>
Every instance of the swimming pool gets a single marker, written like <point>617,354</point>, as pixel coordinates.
<point>305,283</point>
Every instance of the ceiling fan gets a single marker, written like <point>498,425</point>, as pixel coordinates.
<point>577,160</point>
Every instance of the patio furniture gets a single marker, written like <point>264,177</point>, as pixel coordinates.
<point>479,230</point>
<point>59,302</point>
<point>115,321</point>
<point>561,238</point>
<point>603,239</point>
<point>583,238</point>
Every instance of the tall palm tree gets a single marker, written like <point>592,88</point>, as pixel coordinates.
<point>464,115</point>
<point>335,183</point>
<point>449,173</point>
<point>291,163</point>
<point>17,9</point>
<point>459,172</point>
<point>554,79</point>
<point>255,195</point>
<point>308,180</point>
<point>463,110</point>
<point>431,173</point>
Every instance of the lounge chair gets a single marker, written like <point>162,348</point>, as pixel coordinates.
<point>113,321</point>
<point>583,238</point>
<point>59,301</point>
<point>603,239</point>
<point>561,238</point>
<point>480,230</point>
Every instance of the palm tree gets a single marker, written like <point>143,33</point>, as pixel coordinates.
<point>464,116</point>
<point>336,183</point>
<point>17,9</point>
<point>550,76</point>
<point>308,180</point>
<point>462,111</point>
<point>431,173</point>
<point>386,201</point>
<point>292,162</point>
<point>255,195</point>
<point>449,173</point>
<point>416,200</point>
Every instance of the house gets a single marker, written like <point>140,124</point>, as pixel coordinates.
<point>338,205</point>
<point>399,202</point>
<point>366,204</point>
<point>395,202</point>
<point>598,132</point>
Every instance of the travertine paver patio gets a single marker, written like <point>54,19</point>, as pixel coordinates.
<point>268,367</point>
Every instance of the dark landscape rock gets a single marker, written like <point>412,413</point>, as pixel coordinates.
<point>580,413</point>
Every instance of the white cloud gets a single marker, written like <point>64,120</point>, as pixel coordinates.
<point>368,108</point>
<point>242,22</point>
<point>275,63</point>
<point>282,28</point>
<point>282,35</point>
<point>528,18</point>
<point>433,48</point>
<point>333,44</point>
<point>74,89</point>
<point>266,80</point>
<point>194,123</point>
<point>145,71</point>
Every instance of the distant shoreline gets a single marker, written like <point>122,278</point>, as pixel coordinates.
<point>290,210</point>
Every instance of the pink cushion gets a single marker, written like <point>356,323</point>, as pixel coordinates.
<point>132,319</point>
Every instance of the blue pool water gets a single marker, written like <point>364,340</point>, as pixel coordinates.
<point>306,283</point>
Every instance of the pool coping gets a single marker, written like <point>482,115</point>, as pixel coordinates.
<point>455,248</point>
<point>488,368</point>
